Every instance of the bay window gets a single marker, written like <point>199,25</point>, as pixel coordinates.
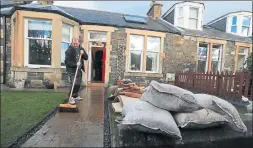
<point>234,24</point>
<point>136,52</point>
<point>245,25</point>
<point>193,18</point>
<point>66,41</point>
<point>153,52</point>
<point>38,42</point>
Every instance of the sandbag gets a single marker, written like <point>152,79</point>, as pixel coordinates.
<point>199,119</point>
<point>112,89</point>
<point>232,114</point>
<point>125,99</point>
<point>170,97</point>
<point>224,108</point>
<point>144,117</point>
<point>117,108</point>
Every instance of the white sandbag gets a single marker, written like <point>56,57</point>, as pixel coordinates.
<point>112,89</point>
<point>117,108</point>
<point>170,97</point>
<point>144,117</point>
<point>125,99</point>
<point>199,119</point>
<point>231,112</point>
<point>223,107</point>
<point>117,90</point>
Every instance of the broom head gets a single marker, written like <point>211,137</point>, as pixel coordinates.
<point>68,108</point>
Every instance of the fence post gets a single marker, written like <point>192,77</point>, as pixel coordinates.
<point>217,84</point>
<point>225,85</point>
<point>230,83</point>
<point>240,84</point>
<point>235,85</point>
<point>246,88</point>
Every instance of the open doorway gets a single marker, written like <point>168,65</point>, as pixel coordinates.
<point>97,64</point>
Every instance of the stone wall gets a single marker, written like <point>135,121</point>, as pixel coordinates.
<point>118,39</point>
<point>180,53</point>
<point>229,59</point>
<point>2,48</point>
<point>8,49</point>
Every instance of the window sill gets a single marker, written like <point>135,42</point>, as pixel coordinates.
<point>141,74</point>
<point>39,66</point>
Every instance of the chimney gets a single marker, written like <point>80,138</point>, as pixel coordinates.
<point>155,10</point>
<point>46,2</point>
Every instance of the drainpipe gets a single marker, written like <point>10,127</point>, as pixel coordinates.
<point>4,50</point>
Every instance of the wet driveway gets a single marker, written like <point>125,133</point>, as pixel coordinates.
<point>83,129</point>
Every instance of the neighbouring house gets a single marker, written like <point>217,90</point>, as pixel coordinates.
<point>36,36</point>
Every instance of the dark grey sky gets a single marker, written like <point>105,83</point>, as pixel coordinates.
<point>213,9</point>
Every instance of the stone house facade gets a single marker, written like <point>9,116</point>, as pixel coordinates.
<point>133,47</point>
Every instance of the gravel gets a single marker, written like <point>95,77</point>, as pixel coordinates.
<point>107,134</point>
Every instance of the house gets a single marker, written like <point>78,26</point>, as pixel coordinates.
<point>218,48</point>
<point>119,45</point>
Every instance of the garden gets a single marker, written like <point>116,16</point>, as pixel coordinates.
<point>21,110</point>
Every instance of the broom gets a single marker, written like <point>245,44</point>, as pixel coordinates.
<point>69,107</point>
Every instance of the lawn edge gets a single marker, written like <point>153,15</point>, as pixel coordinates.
<point>32,130</point>
<point>107,128</point>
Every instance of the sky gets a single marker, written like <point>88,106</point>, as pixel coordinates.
<point>213,9</point>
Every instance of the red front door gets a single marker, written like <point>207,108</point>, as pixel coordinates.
<point>103,65</point>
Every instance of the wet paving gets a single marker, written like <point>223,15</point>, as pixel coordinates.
<point>83,129</point>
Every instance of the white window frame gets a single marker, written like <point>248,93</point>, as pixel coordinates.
<point>142,51</point>
<point>158,53</point>
<point>236,25</point>
<point>246,26</point>
<point>207,55</point>
<point>99,32</point>
<point>193,17</point>
<point>26,44</point>
<point>180,17</point>
<point>71,36</point>
<point>220,56</point>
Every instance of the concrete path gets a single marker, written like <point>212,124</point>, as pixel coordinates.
<point>83,129</point>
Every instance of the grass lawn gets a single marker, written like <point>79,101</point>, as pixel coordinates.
<point>21,110</point>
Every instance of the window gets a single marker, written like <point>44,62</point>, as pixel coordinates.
<point>136,52</point>
<point>245,25</point>
<point>180,17</point>
<point>193,18</point>
<point>234,24</point>
<point>153,52</point>
<point>202,57</point>
<point>38,42</point>
<point>216,58</point>
<point>97,36</point>
<point>2,20</point>
<point>66,41</point>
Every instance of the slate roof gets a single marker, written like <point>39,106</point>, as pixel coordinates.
<point>226,15</point>
<point>209,32</point>
<point>86,16</point>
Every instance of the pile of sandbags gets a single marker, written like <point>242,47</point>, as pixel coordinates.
<point>166,109</point>
<point>124,93</point>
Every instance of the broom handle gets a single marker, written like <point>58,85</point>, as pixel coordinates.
<point>74,81</point>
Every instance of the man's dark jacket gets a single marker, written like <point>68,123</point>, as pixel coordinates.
<point>72,57</point>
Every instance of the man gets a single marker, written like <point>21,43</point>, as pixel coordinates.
<point>72,55</point>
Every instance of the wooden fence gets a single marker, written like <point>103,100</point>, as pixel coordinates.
<point>224,84</point>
